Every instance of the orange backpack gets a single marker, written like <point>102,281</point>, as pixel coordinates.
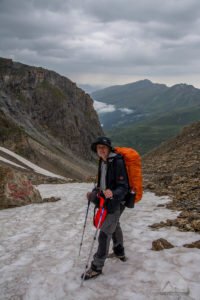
<point>133,164</point>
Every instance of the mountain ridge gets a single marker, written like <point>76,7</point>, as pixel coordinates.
<point>174,107</point>
<point>121,95</point>
<point>44,112</point>
<point>112,94</point>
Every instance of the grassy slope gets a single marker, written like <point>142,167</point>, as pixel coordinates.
<point>148,135</point>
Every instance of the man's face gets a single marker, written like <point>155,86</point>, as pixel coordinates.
<point>103,151</point>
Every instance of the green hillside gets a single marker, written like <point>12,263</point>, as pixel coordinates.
<point>135,95</point>
<point>159,112</point>
<point>148,135</point>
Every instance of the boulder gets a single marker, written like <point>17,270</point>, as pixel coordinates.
<point>161,244</point>
<point>16,189</point>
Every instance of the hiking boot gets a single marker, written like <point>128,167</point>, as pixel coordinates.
<point>121,257</point>
<point>119,253</point>
<point>91,273</point>
<point>119,250</point>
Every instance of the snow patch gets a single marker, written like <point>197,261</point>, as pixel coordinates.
<point>29,164</point>
<point>10,162</point>
<point>40,245</point>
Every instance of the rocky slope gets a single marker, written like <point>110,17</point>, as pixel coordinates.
<point>174,169</point>
<point>46,118</point>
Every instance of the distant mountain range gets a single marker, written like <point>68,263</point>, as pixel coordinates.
<point>90,88</point>
<point>145,96</point>
<point>158,112</point>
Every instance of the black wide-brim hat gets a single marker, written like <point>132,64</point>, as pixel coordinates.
<point>101,140</point>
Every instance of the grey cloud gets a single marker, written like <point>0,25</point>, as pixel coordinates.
<point>94,40</point>
<point>142,11</point>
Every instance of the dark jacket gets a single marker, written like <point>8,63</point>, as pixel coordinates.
<point>116,181</point>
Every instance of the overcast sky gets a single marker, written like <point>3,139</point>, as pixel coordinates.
<point>105,42</point>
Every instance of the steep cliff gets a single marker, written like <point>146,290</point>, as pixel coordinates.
<point>47,118</point>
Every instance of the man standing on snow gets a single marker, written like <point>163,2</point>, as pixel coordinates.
<point>113,183</point>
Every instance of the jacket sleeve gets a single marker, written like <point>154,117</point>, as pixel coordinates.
<point>121,181</point>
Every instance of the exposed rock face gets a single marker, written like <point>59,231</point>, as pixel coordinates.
<point>16,189</point>
<point>41,111</point>
<point>174,169</point>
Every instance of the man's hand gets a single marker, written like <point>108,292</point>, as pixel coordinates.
<point>89,195</point>
<point>108,193</point>
<point>92,197</point>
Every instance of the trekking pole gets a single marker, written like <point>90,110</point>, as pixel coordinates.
<point>84,226</point>
<point>90,253</point>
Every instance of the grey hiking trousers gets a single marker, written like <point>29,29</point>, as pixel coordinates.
<point>110,229</point>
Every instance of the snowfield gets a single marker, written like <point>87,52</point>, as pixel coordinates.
<point>39,247</point>
<point>26,162</point>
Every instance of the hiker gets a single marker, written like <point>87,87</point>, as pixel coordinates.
<point>113,183</point>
